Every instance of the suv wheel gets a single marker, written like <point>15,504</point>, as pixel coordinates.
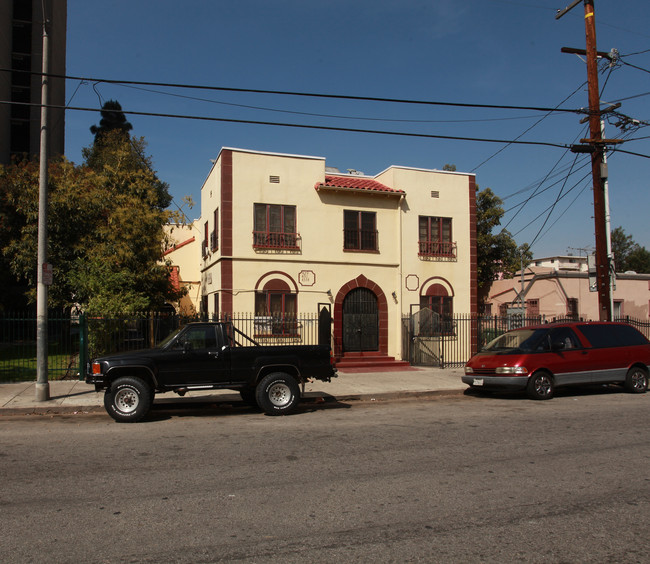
<point>128,399</point>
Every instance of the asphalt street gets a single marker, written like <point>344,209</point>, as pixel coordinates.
<point>450,479</point>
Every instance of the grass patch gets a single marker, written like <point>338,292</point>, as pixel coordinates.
<point>18,362</point>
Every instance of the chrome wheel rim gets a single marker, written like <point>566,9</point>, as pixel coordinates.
<point>279,394</point>
<point>543,385</point>
<point>638,380</point>
<point>127,400</point>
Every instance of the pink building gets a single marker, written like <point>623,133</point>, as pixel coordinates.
<point>556,292</point>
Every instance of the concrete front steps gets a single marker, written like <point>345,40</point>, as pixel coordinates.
<point>370,362</point>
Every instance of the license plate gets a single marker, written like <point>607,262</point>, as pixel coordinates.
<point>478,381</point>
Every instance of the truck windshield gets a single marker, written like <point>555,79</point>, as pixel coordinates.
<point>524,340</point>
<point>168,338</point>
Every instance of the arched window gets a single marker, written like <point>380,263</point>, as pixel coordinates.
<point>275,309</point>
<point>438,300</point>
<point>441,304</point>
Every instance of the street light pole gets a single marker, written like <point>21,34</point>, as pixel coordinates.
<point>43,272</point>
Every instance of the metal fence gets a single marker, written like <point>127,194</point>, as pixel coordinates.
<point>73,340</point>
<point>18,346</point>
<point>451,342</point>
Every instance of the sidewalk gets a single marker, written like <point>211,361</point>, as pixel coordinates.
<point>73,396</point>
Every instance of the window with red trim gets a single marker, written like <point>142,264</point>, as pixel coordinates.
<point>274,226</point>
<point>275,309</point>
<point>360,231</point>
<point>441,305</point>
<point>435,237</point>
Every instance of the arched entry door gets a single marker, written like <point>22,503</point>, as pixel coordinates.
<point>360,321</point>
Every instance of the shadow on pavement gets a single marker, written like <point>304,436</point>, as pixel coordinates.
<point>197,408</point>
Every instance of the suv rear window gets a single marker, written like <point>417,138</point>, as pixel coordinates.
<point>605,336</point>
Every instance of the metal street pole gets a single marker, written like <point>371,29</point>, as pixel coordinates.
<point>608,227</point>
<point>43,271</point>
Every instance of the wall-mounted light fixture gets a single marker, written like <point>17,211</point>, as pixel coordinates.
<point>394,296</point>
<point>329,293</point>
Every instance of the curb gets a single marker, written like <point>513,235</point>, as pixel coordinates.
<point>310,398</point>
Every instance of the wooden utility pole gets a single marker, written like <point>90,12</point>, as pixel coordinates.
<point>597,145</point>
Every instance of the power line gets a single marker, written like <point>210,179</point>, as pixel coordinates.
<point>560,172</point>
<point>304,126</point>
<point>313,114</point>
<point>526,130</point>
<point>635,67</point>
<point>557,199</point>
<point>586,176</point>
<point>305,94</point>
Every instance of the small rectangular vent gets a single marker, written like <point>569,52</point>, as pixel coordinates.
<point>274,179</point>
<point>435,194</point>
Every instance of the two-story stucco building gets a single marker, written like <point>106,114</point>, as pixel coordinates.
<point>284,234</point>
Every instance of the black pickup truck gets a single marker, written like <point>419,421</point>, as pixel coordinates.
<point>209,356</point>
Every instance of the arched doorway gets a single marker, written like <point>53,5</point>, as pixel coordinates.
<point>360,321</point>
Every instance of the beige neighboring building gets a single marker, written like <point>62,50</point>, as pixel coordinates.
<point>561,289</point>
<point>283,234</point>
<point>183,254</point>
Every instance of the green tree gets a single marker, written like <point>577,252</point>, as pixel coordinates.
<point>496,253</point>
<point>629,255</point>
<point>639,260</point>
<point>105,226</point>
<point>113,119</point>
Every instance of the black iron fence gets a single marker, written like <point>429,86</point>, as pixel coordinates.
<point>450,341</point>
<point>73,340</point>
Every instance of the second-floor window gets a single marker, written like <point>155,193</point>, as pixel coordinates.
<point>275,226</point>
<point>214,235</point>
<point>434,239</point>
<point>204,243</point>
<point>359,231</point>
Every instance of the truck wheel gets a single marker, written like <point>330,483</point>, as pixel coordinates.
<point>636,381</point>
<point>278,394</point>
<point>128,399</point>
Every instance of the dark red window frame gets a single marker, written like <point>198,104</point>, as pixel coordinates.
<point>435,237</point>
<point>360,231</point>
<point>274,226</point>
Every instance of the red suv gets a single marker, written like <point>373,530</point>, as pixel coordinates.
<point>539,359</point>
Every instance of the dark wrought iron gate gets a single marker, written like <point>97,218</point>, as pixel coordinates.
<point>426,343</point>
<point>360,321</point>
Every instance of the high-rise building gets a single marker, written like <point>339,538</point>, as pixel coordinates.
<point>21,60</point>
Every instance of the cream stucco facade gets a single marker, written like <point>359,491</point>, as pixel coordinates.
<point>282,233</point>
<point>182,252</point>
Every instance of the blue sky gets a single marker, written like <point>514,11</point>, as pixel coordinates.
<point>500,52</point>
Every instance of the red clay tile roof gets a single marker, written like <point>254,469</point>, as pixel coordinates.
<point>356,183</point>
